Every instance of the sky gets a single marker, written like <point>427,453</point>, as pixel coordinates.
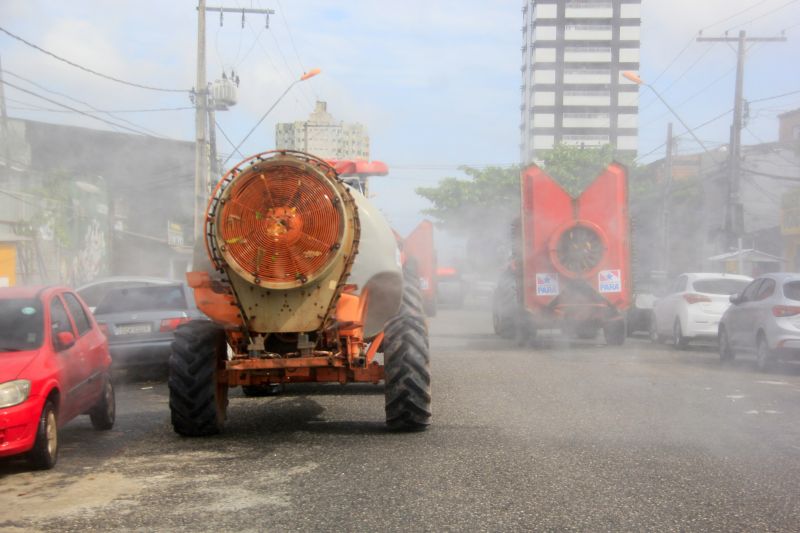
<point>436,83</point>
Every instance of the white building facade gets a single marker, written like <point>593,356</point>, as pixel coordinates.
<point>573,55</point>
<point>321,135</point>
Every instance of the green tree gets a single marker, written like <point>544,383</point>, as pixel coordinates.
<point>482,206</point>
<point>575,167</point>
<point>479,208</point>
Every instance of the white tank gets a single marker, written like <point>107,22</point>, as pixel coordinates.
<point>377,270</point>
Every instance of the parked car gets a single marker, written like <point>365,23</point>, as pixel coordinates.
<point>763,319</point>
<point>639,315</point>
<point>54,366</point>
<point>451,288</point>
<point>140,323</point>
<point>92,293</point>
<point>693,306</point>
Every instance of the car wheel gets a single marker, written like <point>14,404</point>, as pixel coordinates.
<point>763,354</point>
<point>652,330</point>
<point>614,332</point>
<point>44,454</point>
<point>104,413</point>
<point>678,340</point>
<point>726,352</point>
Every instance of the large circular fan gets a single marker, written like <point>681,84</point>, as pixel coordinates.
<point>579,249</point>
<point>281,224</point>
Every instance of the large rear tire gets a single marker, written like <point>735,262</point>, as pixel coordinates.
<point>505,306</point>
<point>198,402</point>
<point>407,363</point>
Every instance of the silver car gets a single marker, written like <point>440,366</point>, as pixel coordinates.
<point>92,293</point>
<point>763,320</point>
<point>140,323</point>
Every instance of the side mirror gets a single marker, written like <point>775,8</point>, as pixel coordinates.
<point>735,299</point>
<point>64,340</point>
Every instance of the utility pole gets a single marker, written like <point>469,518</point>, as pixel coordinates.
<point>734,212</point>
<point>665,203</point>
<point>202,159</point>
<point>200,126</point>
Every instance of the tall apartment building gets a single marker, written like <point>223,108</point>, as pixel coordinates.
<point>323,136</point>
<point>573,91</point>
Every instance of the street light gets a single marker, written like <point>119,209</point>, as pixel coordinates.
<point>632,76</point>
<point>307,75</point>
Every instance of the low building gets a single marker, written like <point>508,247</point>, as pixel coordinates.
<point>79,203</point>
<point>770,173</point>
<point>323,136</point>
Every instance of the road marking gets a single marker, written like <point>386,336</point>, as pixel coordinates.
<point>767,382</point>
<point>735,397</point>
<point>771,412</point>
<point>751,412</point>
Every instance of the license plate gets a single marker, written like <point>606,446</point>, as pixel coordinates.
<point>133,329</point>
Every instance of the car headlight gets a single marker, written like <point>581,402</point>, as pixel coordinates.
<point>14,392</point>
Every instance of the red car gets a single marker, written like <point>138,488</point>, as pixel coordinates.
<point>54,366</point>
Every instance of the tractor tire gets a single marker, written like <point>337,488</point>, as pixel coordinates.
<point>614,332</point>
<point>586,332</point>
<point>197,402</point>
<point>505,307</point>
<point>406,355</point>
<point>430,307</point>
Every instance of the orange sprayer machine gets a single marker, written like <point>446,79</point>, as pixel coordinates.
<point>304,284</point>
<point>571,266</point>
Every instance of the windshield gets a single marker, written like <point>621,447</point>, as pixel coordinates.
<point>792,290</point>
<point>21,324</point>
<point>720,286</point>
<point>156,298</point>
<point>94,294</point>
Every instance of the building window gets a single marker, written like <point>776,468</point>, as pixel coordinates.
<point>586,93</point>
<point>589,3</point>
<point>588,140</point>
<point>588,27</point>
<point>581,49</point>
<point>586,115</point>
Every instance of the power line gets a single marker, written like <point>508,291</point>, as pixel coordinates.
<point>33,107</point>
<point>291,38</point>
<point>87,69</point>
<point>790,93</point>
<point>773,176</point>
<point>674,59</point>
<point>114,124</point>
<point>228,139</point>
<point>706,123</point>
<point>693,96</point>
<point>679,78</point>
<point>790,2</point>
<point>726,19</point>
<point>87,104</point>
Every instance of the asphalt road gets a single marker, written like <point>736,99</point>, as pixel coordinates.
<point>563,436</point>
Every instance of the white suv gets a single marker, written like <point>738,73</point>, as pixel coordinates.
<point>694,306</point>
